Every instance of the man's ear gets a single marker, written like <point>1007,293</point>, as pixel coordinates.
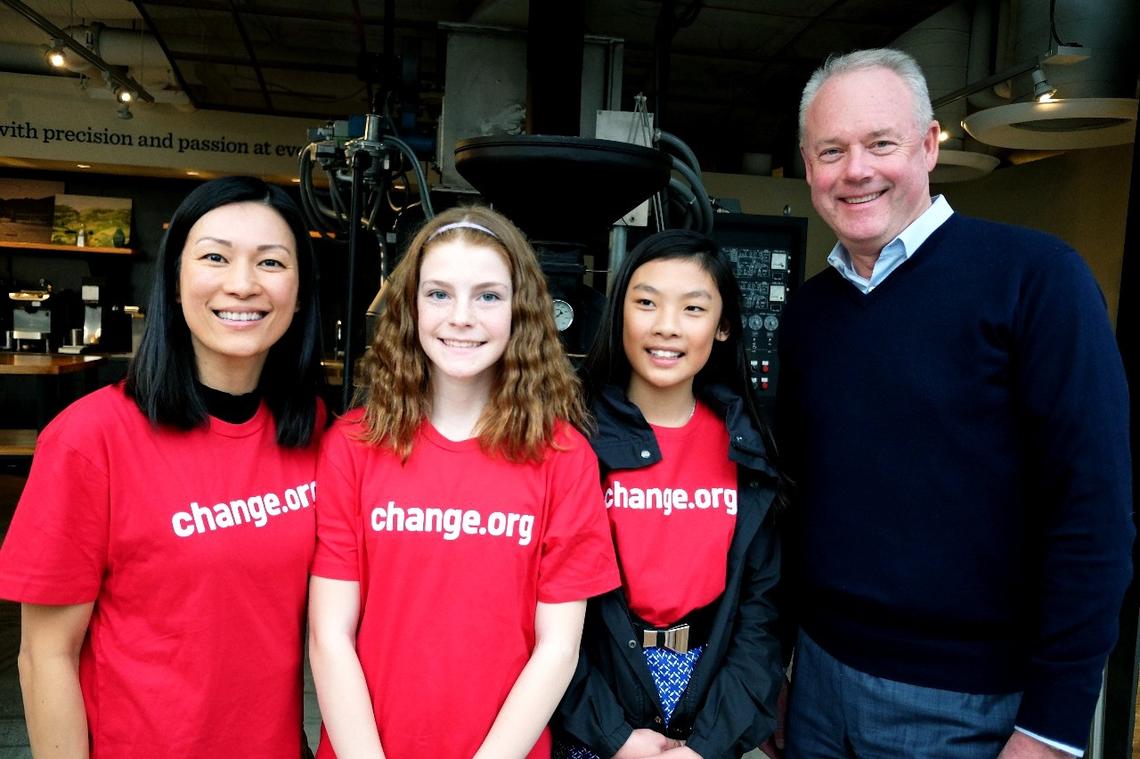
<point>930,145</point>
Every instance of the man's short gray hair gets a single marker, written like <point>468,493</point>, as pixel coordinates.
<point>860,60</point>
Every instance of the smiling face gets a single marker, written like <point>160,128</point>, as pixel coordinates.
<point>671,316</point>
<point>238,284</point>
<point>463,310</point>
<point>867,161</point>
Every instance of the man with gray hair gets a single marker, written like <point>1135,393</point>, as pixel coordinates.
<point>953,411</point>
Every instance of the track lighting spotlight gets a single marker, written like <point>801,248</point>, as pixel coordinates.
<point>1043,92</point>
<point>80,55</point>
<point>123,95</point>
<point>54,55</point>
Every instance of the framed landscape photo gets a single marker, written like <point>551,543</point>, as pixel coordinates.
<point>26,209</point>
<point>98,222</point>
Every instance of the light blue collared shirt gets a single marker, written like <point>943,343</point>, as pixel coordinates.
<point>1078,752</point>
<point>896,251</point>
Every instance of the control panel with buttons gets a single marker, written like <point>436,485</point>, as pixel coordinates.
<point>767,254</point>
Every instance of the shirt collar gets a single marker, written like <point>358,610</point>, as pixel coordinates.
<point>897,250</point>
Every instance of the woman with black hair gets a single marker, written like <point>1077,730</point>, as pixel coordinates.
<point>684,660</point>
<point>161,546</point>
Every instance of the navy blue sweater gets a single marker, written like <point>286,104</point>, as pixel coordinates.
<point>959,438</point>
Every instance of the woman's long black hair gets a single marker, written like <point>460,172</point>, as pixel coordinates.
<point>161,377</point>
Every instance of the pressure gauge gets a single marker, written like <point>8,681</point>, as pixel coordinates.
<point>563,315</point>
<point>771,322</point>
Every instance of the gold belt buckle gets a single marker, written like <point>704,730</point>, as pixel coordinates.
<point>675,639</point>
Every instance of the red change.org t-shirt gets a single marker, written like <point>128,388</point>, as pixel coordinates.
<point>453,550</point>
<point>672,522</point>
<point>195,547</point>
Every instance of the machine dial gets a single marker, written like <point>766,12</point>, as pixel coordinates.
<point>563,315</point>
<point>771,322</point>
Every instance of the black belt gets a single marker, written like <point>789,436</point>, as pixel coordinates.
<point>682,636</point>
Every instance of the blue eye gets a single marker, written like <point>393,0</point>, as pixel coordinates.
<point>435,295</point>
<point>489,297</point>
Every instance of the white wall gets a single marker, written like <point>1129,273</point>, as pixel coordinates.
<point>1081,196</point>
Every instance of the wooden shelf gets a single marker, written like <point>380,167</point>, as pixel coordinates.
<point>47,363</point>
<point>71,250</point>
<point>17,442</point>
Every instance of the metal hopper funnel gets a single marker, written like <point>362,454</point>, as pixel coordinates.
<point>565,189</point>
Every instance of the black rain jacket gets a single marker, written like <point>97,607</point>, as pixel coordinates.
<point>729,706</point>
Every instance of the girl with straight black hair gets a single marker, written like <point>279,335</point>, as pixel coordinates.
<point>607,363</point>
<point>161,547</point>
<point>684,660</point>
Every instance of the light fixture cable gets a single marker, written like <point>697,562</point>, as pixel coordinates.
<point>1053,26</point>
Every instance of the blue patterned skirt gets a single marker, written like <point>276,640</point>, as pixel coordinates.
<point>671,673</point>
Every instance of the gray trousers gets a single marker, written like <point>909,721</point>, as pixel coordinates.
<point>836,712</point>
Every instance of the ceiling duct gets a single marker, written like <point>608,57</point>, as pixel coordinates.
<point>62,43</point>
<point>137,50</point>
<point>136,53</point>
<point>989,50</point>
<point>1095,104</point>
<point>942,45</point>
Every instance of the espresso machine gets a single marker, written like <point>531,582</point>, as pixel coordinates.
<point>90,293</point>
<point>31,318</point>
<point>106,324</point>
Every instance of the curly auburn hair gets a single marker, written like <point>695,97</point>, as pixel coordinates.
<point>535,385</point>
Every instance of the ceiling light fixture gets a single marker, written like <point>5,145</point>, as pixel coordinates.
<point>1043,92</point>
<point>123,95</point>
<point>54,55</point>
<point>64,40</point>
<point>962,166</point>
<point>124,112</point>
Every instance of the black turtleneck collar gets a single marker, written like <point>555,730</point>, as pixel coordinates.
<point>234,409</point>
